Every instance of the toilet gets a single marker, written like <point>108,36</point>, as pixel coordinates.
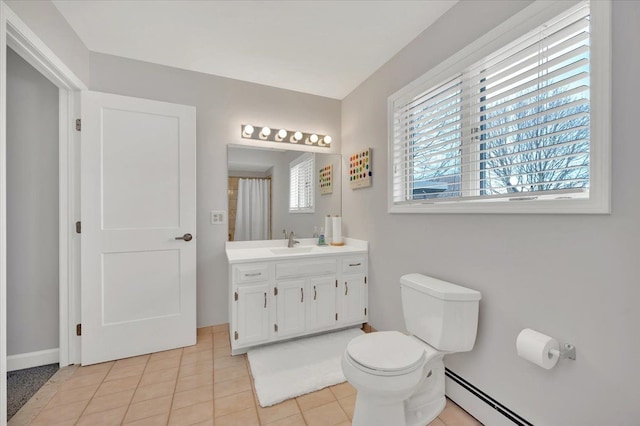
<point>399,377</point>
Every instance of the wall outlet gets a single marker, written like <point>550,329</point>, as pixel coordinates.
<point>218,217</point>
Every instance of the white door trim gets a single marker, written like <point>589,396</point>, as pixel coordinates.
<point>15,34</point>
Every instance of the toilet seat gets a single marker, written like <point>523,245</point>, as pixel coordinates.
<point>386,353</point>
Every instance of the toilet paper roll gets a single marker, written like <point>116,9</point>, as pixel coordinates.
<point>535,347</point>
<point>336,230</point>
<point>327,229</point>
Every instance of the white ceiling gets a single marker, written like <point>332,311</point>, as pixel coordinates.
<point>325,48</point>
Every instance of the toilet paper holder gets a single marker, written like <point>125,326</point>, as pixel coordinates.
<point>568,351</point>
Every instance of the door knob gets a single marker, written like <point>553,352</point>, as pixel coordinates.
<point>185,237</point>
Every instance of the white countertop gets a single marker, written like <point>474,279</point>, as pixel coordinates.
<point>253,251</point>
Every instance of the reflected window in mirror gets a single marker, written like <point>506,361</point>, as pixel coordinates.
<point>301,184</point>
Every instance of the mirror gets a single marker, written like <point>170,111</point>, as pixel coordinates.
<point>258,192</point>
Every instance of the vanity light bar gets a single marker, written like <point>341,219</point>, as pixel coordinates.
<point>264,133</point>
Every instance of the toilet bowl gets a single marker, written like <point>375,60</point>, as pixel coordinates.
<point>400,378</point>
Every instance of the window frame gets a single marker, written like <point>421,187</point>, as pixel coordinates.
<point>538,13</point>
<point>309,156</point>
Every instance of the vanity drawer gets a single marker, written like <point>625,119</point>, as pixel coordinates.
<point>251,272</point>
<point>354,265</point>
<point>304,269</point>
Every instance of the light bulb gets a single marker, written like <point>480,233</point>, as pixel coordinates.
<point>327,139</point>
<point>297,136</point>
<point>248,130</point>
<point>313,138</point>
<point>282,133</point>
<point>265,131</point>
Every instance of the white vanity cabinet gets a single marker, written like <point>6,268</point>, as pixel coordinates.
<point>279,299</point>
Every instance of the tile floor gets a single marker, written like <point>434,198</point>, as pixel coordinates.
<point>197,385</point>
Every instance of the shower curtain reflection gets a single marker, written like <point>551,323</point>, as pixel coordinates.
<point>253,212</point>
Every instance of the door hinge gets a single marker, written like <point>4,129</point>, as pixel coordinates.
<point>365,279</point>
<point>78,329</point>
<point>78,124</point>
<point>275,327</point>
<point>235,296</point>
<point>275,292</point>
<point>365,311</point>
<point>78,227</point>
<point>235,335</point>
<point>336,316</point>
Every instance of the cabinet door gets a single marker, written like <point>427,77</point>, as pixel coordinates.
<point>291,307</point>
<point>353,294</point>
<point>321,305</point>
<point>252,312</point>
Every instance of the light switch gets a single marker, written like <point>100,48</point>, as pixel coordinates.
<point>218,217</point>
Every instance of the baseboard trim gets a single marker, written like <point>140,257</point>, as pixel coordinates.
<point>478,404</point>
<point>33,359</point>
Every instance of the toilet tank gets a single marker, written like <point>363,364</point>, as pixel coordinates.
<point>440,313</point>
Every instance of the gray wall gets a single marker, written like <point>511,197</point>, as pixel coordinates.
<point>32,209</point>
<point>575,277</point>
<point>44,19</point>
<point>222,106</point>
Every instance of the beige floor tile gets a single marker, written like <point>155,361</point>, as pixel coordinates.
<point>193,396</point>
<point>246,417</point>
<point>221,340</point>
<point>111,417</point>
<point>134,360</point>
<point>343,390</point>
<point>173,353</point>
<point>78,382</point>
<point>204,330</point>
<point>230,373</point>
<point>108,402</point>
<point>160,376</point>
<point>107,388</point>
<point>63,414</point>
<point>209,422</point>
<point>279,411</point>
<point>348,404</point>
<point>192,414</point>
<point>453,415</point>
<point>437,422</point>
<point>102,368</point>
<point>315,399</point>
<point>68,396</point>
<point>220,353</point>
<point>205,338</point>
<point>205,356</point>
<point>155,390</point>
<point>193,369</point>
<point>162,364</point>
<point>126,371</point>
<point>231,387</point>
<point>149,408</point>
<point>325,415</point>
<point>220,328</point>
<point>192,382</point>
<point>229,361</point>
<point>159,420</point>
<point>296,420</point>
<point>231,404</point>
<point>199,347</point>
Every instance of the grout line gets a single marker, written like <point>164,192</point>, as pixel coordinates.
<point>136,389</point>
<point>94,392</point>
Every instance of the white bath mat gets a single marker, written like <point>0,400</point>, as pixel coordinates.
<point>289,369</point>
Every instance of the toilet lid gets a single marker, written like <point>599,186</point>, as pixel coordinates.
<point>386,351</point>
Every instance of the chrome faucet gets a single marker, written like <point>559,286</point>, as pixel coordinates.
<point>292,242</point>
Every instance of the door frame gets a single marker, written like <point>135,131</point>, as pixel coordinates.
<point>16,34</point>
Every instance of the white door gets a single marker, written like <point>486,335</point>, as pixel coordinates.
<point>253,314</point>
<point>353,302</point>
<point>290,308</point>
<point>322,303</point>
<point>138,196</point>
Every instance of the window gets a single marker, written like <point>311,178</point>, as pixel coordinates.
<point>301,184</point>
<point>509,130</point>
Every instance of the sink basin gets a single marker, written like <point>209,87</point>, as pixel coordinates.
<point>291,250</point>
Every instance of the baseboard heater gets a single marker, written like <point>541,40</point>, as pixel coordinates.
<point>516,419</point>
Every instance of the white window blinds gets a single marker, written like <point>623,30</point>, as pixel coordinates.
<point>301,184</point>
<point>513,126</point>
